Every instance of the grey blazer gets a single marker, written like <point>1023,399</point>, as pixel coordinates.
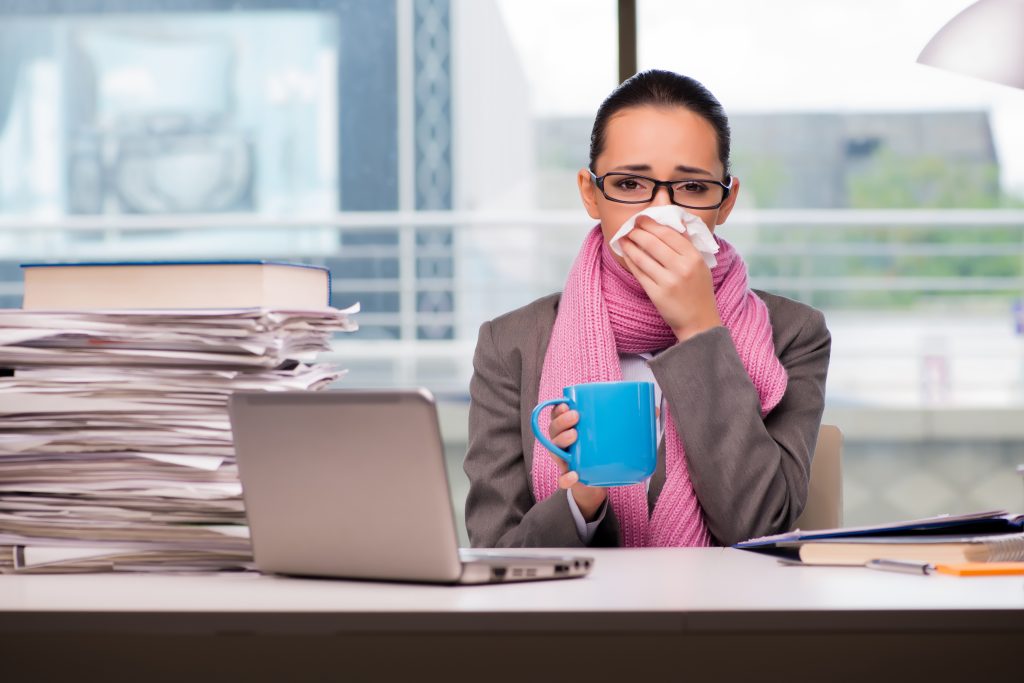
<point>750,474</point>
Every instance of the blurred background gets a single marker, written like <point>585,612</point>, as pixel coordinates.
<point>426,151</point>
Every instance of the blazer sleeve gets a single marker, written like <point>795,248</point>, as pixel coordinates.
<point>500,508</point>
<point>750,474</point>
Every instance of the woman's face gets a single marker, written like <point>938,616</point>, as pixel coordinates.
<point>664,143</point>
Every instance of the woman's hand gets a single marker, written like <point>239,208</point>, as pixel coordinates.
<point>674,275</point>
<point>588,498</point>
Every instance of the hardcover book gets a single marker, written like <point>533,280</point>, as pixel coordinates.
<point>931,549</point>
<point>175,284</point>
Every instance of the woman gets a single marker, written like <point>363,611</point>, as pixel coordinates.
<point>739,375</point>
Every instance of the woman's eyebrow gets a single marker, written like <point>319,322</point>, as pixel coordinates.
<point>693,169</point>
<point>646,168</point>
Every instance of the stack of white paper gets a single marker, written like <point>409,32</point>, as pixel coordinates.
<point>115,446</point>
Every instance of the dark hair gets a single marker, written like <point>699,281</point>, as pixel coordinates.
<point>662,89</point>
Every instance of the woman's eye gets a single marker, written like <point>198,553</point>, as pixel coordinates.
<point>629,184</point>
<point>692,187</point>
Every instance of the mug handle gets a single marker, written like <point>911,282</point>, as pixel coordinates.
<point>536,426</point>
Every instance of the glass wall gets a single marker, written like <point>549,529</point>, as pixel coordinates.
<point>400,143</point>
<point>890,195</point>
<point>180,113</point>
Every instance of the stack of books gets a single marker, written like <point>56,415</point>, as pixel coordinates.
<point>115,444</point>
<point>991,536</point>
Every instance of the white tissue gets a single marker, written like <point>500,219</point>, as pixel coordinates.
<point>680,220</point>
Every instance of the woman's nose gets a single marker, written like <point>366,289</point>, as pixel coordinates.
<point>662,197</point>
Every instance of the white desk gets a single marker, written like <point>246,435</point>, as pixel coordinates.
<point>721,613</point>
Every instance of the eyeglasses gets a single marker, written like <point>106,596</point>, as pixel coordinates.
<point>693,193</point>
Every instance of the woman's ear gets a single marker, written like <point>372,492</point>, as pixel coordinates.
<point>588,193</point>
<point>729,203</point>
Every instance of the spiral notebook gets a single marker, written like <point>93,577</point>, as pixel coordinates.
<point>989,536</point>
<point>930,549</point>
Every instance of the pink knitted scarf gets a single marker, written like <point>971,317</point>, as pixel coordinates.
<point>603,312</point>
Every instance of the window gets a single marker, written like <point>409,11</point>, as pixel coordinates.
<point>891,195</point>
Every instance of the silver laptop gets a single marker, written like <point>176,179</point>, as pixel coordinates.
<point>352,484</point>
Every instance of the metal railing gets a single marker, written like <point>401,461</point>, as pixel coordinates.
<point>847,262</point>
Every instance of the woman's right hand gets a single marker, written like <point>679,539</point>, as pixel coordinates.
<point>562,433</point>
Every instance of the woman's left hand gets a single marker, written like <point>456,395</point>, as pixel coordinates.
<point>674,275</point>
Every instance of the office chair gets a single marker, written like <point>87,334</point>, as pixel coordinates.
<point>824,509</point>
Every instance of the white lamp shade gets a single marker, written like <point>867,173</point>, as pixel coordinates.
<point>986,41</point>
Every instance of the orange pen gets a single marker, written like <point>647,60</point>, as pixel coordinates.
<point>981,568</point>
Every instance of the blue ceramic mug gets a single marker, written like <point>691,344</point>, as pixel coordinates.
<point>616,441</point>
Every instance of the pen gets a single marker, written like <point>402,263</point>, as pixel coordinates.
<point>903,566</point>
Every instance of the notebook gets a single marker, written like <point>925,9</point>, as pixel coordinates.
<point>991,535</point>
<point>930,549</point>
<point>352,484</point>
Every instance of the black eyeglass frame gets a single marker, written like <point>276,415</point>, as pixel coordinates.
<point>599,182</point>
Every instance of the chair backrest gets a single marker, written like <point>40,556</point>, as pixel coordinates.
<point>824,509</point>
